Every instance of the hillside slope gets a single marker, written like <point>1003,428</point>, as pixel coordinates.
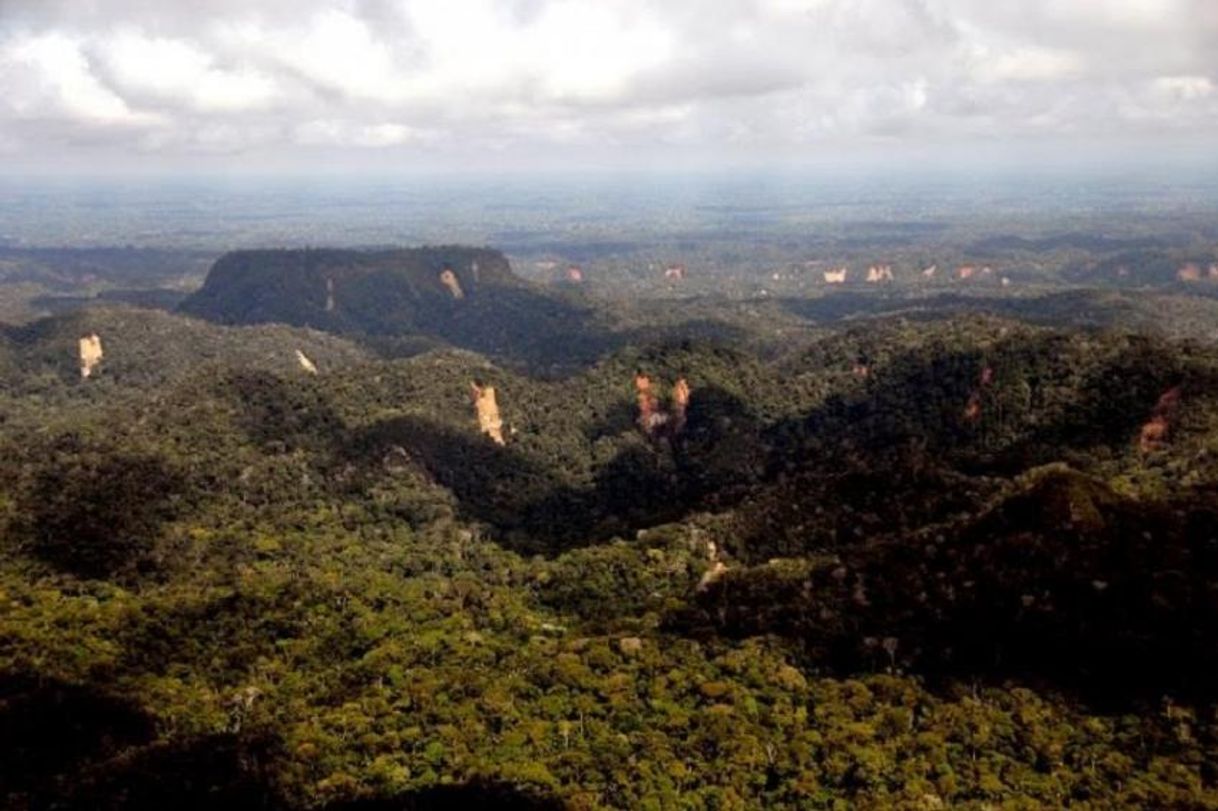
<point>867,572</point>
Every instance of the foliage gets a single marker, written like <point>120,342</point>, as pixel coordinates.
<point>227,581</point>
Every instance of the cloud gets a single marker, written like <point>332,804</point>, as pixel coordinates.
<point>342,134</point>
<point>48,76</point>
<point>1184,88</point>
<point>449,79</point>
<point>1029,64</point>
<point>174,72</point>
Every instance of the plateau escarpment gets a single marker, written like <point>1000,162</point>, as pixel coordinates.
<point>467,297</point>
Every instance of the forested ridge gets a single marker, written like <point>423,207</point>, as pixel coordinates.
<point>951,560</point>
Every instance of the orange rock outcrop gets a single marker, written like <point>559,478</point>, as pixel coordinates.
<point>1153,435</point>
<point>972,409</point>
<point>90,354</point>
<point>487,408</point>
<point>1189,273</point>
<point>680,403</point>
<point>652,418</point>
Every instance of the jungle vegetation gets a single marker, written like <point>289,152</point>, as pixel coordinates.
<point>911,556</point>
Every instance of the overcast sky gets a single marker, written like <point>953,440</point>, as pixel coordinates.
<point>299,84</point>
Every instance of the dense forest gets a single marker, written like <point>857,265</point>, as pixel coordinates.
<point>896,551</point>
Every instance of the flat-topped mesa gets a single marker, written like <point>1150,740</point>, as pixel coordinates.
<point>387,291</point>
<point>90,354</point>
<point>490,422</point>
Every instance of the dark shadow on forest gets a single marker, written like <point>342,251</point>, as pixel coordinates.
<point>282,415</point>
<point>474,795</point>
<point>49,729</point>
<point>531,507</point>
<point>74,748</point>
<point>1065,584</point>
<point>100,515</point>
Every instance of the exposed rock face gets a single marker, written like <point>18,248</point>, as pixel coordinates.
<point>450,281</point>
<point>972,410</point>
<point>487,408</point>
<point>929,273</point>
<point>674,273</point>
<point>653,419</point>
<point>1154,433</point>
<point>305,363</point>
<point>879,273</point>
<point>1189,273</point>
<point>90,354</point>
<point>835,276</point>
<point>650,415</point>
<point>715,571</point>
<point>966,272</point>
<point>575,275</point>
<point>680,404</point>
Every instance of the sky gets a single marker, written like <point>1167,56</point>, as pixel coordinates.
<point>477,85</point>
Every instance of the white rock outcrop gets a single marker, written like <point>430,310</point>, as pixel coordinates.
<point>450,281</point>
<point>90,354</point>
<point>305,363</point>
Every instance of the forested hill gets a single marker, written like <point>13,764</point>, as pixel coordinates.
<point>403,300</point>
<point>961,563</point>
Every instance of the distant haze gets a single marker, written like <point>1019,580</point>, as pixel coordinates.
<point>307,85</point>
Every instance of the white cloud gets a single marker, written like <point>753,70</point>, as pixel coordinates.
<point>464,77</point>
<point>49,76</point>
<point>330,132</point>
<point>1184,88</point>
<point>179,72</point>
<point>1030,64</point>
